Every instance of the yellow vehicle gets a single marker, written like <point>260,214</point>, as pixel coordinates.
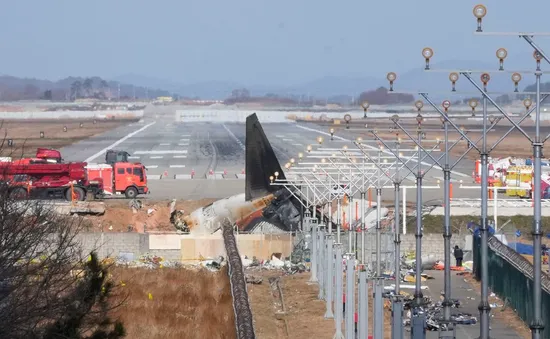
<point>519,181</point>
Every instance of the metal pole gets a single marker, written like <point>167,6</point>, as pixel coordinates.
<point>363,228</point>
<point>484,307</point>
<point>314,251</point>
<point>363,326</point>
<point>339,292</point>
<point>537,325</point>
<point>418,328</point>
<point>338,215</point>
<point>447,234</point>
<point>378,231</point>
<point>330,279</point>
<point>322,263</point>
<point>330,215</point>
<point>350,297</point>
<point>397,307</point>
<point>350,218</point>
<point>378,309</point>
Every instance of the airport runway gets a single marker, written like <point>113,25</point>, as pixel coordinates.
<point>207,160</point>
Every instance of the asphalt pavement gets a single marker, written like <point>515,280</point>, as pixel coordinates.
<point>190,160</point>
<point>469,299</point>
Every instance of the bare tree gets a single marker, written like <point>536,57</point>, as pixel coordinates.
<point>47,287</point>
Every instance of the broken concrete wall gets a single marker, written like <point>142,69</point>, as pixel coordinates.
<point>260,246</point>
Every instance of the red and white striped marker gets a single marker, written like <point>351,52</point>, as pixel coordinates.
<point>165,173</point>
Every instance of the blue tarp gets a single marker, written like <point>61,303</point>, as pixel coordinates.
<point>522,248</point>
<point>477,232</point>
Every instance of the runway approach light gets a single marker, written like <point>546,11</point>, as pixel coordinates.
<point>418,104</point>
<point>271,178</point>
<point>516,78</point>
<point>320,140</point>
<point>485,78</point>
<point>391,76</point>
<point>446,104</point>
<point>427,53</point>
<point>502,53</point>
<point>276,174</point>
<point>538,57</point>
<point>453,77</point>
<point>480,12</point>
<point>300,155</point>
<point>309,148</point>
<point>359,140</point>
<point>473,104</point>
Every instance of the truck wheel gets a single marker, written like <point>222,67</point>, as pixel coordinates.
<point>131,192</point>
<point>79,193</point>
<point>18,193</point>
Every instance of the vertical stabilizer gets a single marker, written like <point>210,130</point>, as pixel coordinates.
<point>261,161</point>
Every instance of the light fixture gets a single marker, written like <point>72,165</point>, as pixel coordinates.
<point>359,140</point>
<point>516,78</point>
<point>502,53</point>
<point>365,106</point>
<point>300,155</point>
<point>492,119</point>
<point>479,12</point>
<point>485,78</point>
<point>391,76</point>
<point>538,57</point>
<point>473,104</point>
<point>271,178</point>
<point>453,77</point>
<point>292,160</point>
<point>309,148</point>
<point>395,118</point>
<point>276,174</point>
<point>320,140</point>
<point>287,165</point>
<point>345,148</point>
<point>331,134</point>
<point>419,118</point>
<point>427,53</point>
<point>347,119</point>
<point>418,104</point>
<point>446,104</point>
<point>323,160</point>
<point>401,154</point>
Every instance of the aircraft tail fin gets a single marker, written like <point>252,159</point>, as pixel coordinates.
<point>261,161</point>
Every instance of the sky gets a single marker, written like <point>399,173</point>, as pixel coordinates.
<point>281,42</point>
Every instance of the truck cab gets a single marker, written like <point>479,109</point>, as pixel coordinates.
<point>129,178</point>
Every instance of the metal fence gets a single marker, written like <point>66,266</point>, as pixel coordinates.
<point>511,278</point>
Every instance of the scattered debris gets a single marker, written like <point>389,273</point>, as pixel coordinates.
<point>251,279</point>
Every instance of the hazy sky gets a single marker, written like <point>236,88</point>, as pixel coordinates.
<point>252,41</point>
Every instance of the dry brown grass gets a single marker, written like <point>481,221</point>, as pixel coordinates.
<point>26,134</point>
<point>305,312</point>
<point>185,303</point>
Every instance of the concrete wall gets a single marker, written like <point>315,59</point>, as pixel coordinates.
<point>185,247</point>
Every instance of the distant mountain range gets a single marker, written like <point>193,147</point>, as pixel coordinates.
<point>434,82</point>
<point>331,86</point>
<point>14,88</point>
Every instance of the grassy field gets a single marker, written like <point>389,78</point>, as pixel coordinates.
<point>175,303</point>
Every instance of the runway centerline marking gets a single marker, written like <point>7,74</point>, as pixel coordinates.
<point>156,157</point>
<point>119,141</point>
<point>177,166</point>
<point>165,144</point>
<point>151,166</point>
<point>179,156</point>
<point>183,144</point>
<point>376,148</point>
<point>162,152</point>
<point>184,140</point>
<point>132,157</point>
